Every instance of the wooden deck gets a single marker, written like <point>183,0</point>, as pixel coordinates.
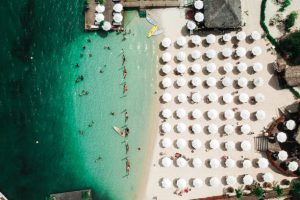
<point>151,4</point>
<point>76,195</point>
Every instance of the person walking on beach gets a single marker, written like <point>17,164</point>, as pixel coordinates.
<point>125,88</point>
<point>126,116</point>
<point>127,147</point>
<point>124,72</point>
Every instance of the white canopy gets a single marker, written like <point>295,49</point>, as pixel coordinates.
<point>182,98</point>
<point>196,54</point>
<point>230,163</point>
<point>259,97</point>
<point>214,163</point>
<point>247,164</point>
<point>181,68</point>
<point>268,177</point>
<point>166,97</point>
<point>165,183</point>
<point>166,69</point>
<point>246,145</point>
<point>214,182</point>
<point>211,81</point>
<point>260,115</point>
<point>293,166</point>
<point>166,82</point>
<point>196,114</point>
<point>263,163</point>
<point>212,114</point>
<point>245,128</point>
<point>181,162</point>
<point>199,17</point>
<point>240,51</point>
<point>166,42</point>
<point>240,36</point>
<point>196,128</point>
<point>166,127</point>
<point>290,124</point>
<point>226,52</point>
<point>231,180</point>
<point>118,7</point>
<point>227,98</point>
<point>255,35</point>
<point>196,144</point>
<point>211,53</point>
<point>229,146</point>
<point>228,129</point>
<point>191,25</point>
<point>166,113</point>
<point>281,137</point>
<point>214,144</point>
<point>196,97</point>
<point>226,37</point>
<point>211,67</point>
<point>197,183</point>
<point>180,113</point>
<point>106,26</point>
<point>196,40</point>
<point>245,114</point>
<point>226,82</point>
<point>195,68</point>
<point>248,180</point>
<point>257,67</point>
<point>181,143</point>
<point>117,17</point>
<point>242,67</point>
<point>181,127</point>
<point>181,183</point>
<point>210,39</point>
<point>228,67</point>
<point>196,81</point>
<point>258,81</point>
<point>197,162</point>
<point>181,41</point>
<point>100,8</point>
<point>166,162</point>
<point>212,128</point>
<point>243,98</point>
<point>166,142</point>
<point>242,82</point>
<point>166,57</point>
<point>99,17</point>
<point>198,4</point>
<point>282,155</point>
<point>212,97</point>
<point>181,56</point>
<point>228,114</point>
<point>256,51</point>
<point>180,82</point>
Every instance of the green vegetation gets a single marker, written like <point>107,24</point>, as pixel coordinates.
<point>102,2</point>
<point>258,192</point>
<point>290,20</point>
<point>284,5</point>
<point>278,190</point>
<point>295,189</point>
<point>239,194</point>
<point>291,47</point>
<point>85,195</point>
<point>86,3</point>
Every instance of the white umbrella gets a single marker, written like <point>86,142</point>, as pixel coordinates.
<point>180,143</point>
<point>196,114</point>
<point>242,67</point>
<point>214,182</point>
<point>196,54</point>
<point>181,127</point>
<point>181,41</point>
<point>166,97</point>
<point>256,51</point>
<point>245,128</point>
<point>118,7</point>
<point>290,124</point>
<point>246,145</point>
<point>211,53</point>
<point>229,146</point>
<point>226,82</point>
<point>240,51</point>
<point>258,82</point>
<point>180,82</point>
<point>229,114</point>
<point>245,114</point>
<point>117,17</point>
<point>166,57</point>
<point>281,137</point>
<point>214,163</point>
<point>228,129</point>
<point>210,39</point>
<point>181,98</point>
<point>196,144</point>
<point>198,4</point>
<point>106,26</point>
<point>181,68</point>
<point>180,113</point>
<point>230,163</point>
<point>166,69</point>
<point>166,127</point>
<point>181,56</point>
<point>99,17</point>
<point>212,114</point>
<point>181,162</point>
<point>166,42</point>
<point>257,67</point>
<point>196,128</point>
<point>242,82</point>
<point>191,25</point>
<point>227,98</point>
<point>228,67</point>
<point>197,183</point>
<point>100,8</point>
<point>243,98</point>
<point>240,36</point>
<point>212,128</point>
<point>166,113</point>
<point>165,183</point>
<point>282,155</point>
<point>214,144</point>
<point>166,162</point>
<point>166,142</point>
<point>197,162</point>
<point>293,166</point>
<point>259,97</point>
<point>226,52</point>
<point>231,180</point>
<point>260,115</point>
<point>255,35</point>
<point>211,67</point>
<point>181,183</point>
<point>212,97</point>
<point>247,164</point>
<point>196,97</point>
<point>268,177</point>
<point>211,81</point>
<point>248,180</point>
<point>199,17</point>
<point>166,82</point>
<point>196,40</point>
<point>263,163</point>
<point>195,68</point>
<point>196,81</point>
<point>226,37</point>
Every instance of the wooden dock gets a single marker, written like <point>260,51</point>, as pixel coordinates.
<point>76,195</point>
<point>151,4</point>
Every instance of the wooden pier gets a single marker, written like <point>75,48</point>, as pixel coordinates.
<point>151,4</point>
<point>76,195</point>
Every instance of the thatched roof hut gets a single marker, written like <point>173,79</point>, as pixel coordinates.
<point>222,14</point>
<point>292,76</point>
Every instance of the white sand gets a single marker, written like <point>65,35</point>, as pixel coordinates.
<point>173,22</point>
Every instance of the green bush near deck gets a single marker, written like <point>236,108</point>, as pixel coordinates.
<point>290,20</point>
<point>279,191</point>
<point>291,46</point>
<point>102,2</point>
<point>284,5</point>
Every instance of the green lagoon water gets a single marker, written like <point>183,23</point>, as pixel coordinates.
<point>41,42</point>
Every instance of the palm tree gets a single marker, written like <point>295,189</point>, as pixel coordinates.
<point>258,192</point>
<point>296,187</point>
<point>278,190</point>
<point>239,193</point>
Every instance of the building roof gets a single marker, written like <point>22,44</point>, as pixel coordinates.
<point>292,76</point>
<point>222,14</point>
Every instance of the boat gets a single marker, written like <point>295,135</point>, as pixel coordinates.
<point>150,20</point>
<point>151,31</point>
<point>119,131</point>
<point>158,32</point>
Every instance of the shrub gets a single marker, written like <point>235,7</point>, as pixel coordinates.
<point>284,5</point>
<point>258,192</point>
<point>239,194</point>
<point>296,188</point>
<point>278,190</point>
<point>291,46</point>
<point>290,20</point>
<point>102,2</point>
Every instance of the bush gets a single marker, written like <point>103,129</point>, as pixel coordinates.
<point>284,5</point>
<point>239,194</point>
<point>258,192</point>
<point>291,46</point>
<point>296,188</point>
<point>290,20</point>
<point>278,190</point>
<point>102,2</point>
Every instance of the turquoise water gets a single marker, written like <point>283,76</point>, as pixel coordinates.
<point>41,148</point>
